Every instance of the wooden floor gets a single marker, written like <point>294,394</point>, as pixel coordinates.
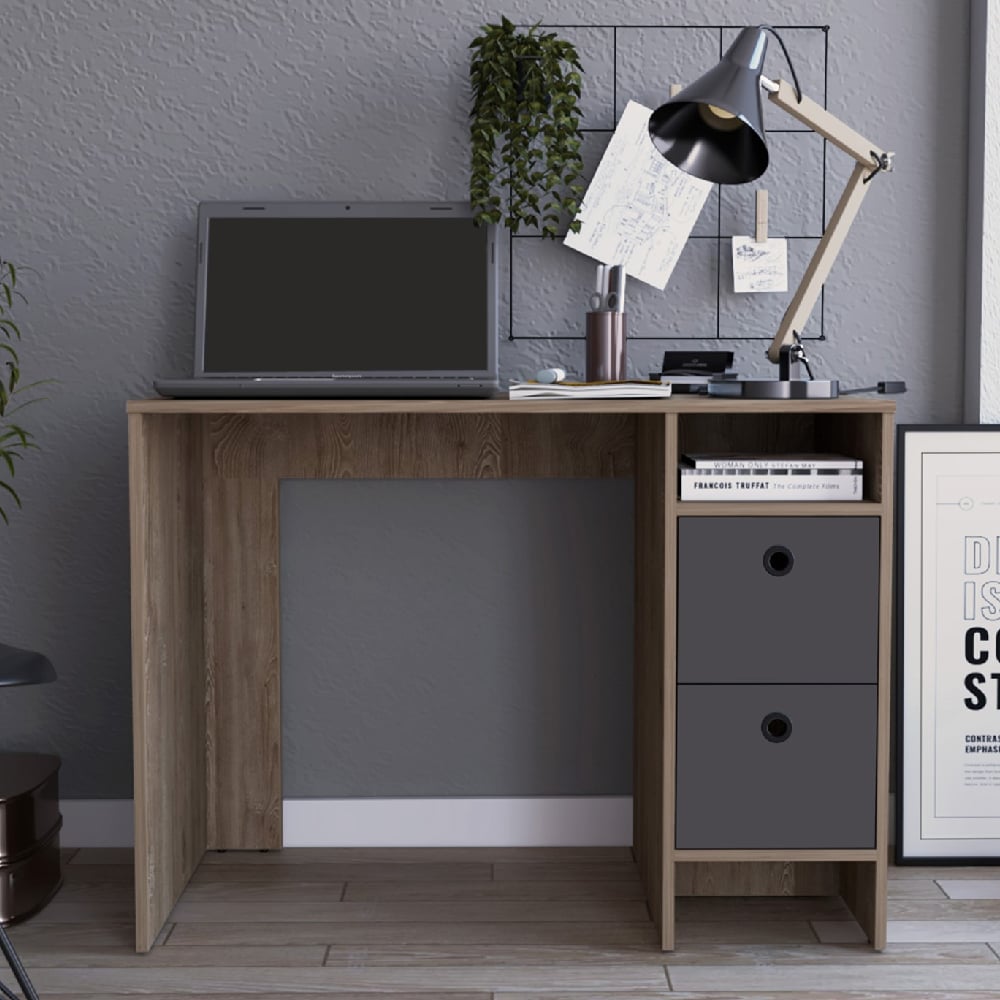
<point>473,924</point>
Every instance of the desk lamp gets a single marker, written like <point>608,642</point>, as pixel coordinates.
<point>19,666</point>
<point>714,129</point>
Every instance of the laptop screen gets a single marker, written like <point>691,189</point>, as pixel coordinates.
<point>368,289</point>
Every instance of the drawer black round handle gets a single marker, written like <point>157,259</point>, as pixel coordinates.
<point>778,560</point>
<point>776,727</point>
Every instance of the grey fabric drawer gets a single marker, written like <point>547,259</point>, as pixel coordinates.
<point>782,600</point>
<point>737,788</point>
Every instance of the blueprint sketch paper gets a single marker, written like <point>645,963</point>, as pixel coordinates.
<point>639,209</point>
<point>760,267</point>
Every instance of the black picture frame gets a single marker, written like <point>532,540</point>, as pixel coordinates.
<point>947,754</point>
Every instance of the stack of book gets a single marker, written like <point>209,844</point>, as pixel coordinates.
<point>770,477</point>
<point>626,389</point>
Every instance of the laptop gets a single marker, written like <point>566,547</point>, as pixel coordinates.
<point>343,299</point>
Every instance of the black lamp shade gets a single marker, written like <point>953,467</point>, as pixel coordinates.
<point>19,666</point>
<point>727,148</point>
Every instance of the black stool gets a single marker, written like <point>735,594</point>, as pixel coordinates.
<point>29,821</point>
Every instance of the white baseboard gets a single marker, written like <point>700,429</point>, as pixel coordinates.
<point>531,822</point>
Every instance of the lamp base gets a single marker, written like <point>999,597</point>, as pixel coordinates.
<point>768,388</point>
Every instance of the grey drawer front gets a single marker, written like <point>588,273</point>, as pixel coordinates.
<point>815,789</point>
<point>815,623</point>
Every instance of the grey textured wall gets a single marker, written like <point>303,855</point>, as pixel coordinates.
<point>119,116</point>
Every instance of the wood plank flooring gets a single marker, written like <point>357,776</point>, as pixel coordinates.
<point>503,924</point>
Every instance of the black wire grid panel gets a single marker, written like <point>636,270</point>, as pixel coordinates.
<point>666,42</point>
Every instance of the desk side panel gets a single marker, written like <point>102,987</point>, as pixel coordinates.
<point>168,677</point>
<point>242,616</point>
<point>865,886</point>
<point>653,761</point>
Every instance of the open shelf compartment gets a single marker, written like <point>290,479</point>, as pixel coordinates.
<point>857,435</point>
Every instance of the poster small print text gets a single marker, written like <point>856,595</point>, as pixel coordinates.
<point>960,669</point>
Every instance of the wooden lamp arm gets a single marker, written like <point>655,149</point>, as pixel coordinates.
<point>870,159</point>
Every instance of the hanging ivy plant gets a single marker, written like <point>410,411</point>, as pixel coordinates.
<point>525,128</point>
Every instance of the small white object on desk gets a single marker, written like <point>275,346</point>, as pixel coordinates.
<point>549,375</point>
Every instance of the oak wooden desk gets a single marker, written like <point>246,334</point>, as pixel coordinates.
<point>203,484</point>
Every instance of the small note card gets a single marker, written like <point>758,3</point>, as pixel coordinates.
<point>760,267</point>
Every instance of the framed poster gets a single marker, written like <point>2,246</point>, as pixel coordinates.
<point>948,644</point>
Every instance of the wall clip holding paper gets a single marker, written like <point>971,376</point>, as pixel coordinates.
<point>760,230</point>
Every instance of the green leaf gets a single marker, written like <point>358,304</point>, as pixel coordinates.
<point>20,433</point>
<point>10,489</point>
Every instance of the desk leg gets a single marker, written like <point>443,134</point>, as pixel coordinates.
<point>653,825</point>
<point>242,616</point>
<point>168,674</point>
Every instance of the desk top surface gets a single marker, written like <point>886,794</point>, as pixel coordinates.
<point>675,404</point>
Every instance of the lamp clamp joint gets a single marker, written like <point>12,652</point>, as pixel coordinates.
<point>790,354</point>
<point>881,161</point>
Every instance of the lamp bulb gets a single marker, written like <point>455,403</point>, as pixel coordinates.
<point>718,118</point>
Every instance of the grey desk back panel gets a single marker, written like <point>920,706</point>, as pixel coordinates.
<point>738,623</point>
<point>456,637</point>
<point>736,789</point>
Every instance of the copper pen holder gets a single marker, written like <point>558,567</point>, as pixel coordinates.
<point>605,346</point>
